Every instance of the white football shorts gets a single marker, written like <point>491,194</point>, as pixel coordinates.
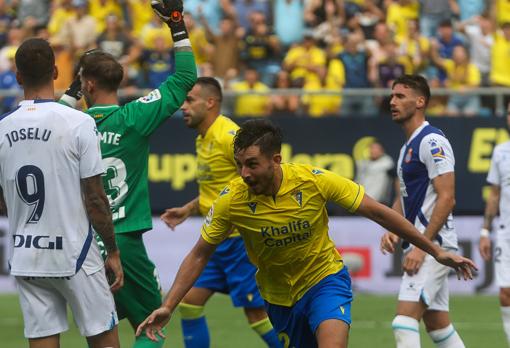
<point>44,304</point>
<point>501,256</point>
<point>430,285</point>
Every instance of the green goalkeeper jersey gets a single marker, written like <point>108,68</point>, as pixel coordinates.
<point>125,132</point>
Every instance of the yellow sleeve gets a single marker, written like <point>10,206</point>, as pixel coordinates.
<point>449,66</point>
<point>342,191</point>
<point>217,227</point>
<point>473,76</point>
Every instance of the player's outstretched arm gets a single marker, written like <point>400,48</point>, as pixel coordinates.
<point>175,216</point>
<point>392,221</point>
<point>188,273</point>
<point>100,216</point>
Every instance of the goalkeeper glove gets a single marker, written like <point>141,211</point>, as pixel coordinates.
<point>170,12</point>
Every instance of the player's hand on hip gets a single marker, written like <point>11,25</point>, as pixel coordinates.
<point>388,242</point>
<point>485,248</point>
<point>114,266</point>
<point>174,216</point>
<point>413,261</point>
<point>462,265</point>
<point>154,323</point>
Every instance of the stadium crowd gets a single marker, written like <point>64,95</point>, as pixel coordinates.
<point>258,45</point>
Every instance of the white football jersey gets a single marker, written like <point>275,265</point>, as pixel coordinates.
<point>45,149</point>
<point>499,174</point>
<point>426,155</point>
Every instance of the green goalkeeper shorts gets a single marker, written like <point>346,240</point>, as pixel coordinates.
<point>141,293</point>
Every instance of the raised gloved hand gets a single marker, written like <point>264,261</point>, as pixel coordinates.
<point>74,90</point>
<point>170,11</point>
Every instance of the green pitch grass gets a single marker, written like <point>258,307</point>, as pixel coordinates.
<point>476,318</point>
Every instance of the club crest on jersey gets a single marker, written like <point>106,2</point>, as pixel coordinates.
<point>437,152</point>
<point>253,206</point>
<point>317,171</point>
<point>298,196</point>
<point>151,97</point>
<point>409,155</point>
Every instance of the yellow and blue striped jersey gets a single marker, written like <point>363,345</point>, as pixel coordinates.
<point>286,236</point>
<point>215,160</point>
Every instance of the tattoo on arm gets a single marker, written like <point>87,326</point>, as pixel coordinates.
<point>98,210</point>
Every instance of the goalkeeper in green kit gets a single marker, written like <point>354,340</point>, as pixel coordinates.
<point>125,132</point>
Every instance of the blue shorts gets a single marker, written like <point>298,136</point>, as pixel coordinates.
<point>229,271</point>
<point>329,299</point>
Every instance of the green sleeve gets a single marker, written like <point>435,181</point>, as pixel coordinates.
<point>147,113</point>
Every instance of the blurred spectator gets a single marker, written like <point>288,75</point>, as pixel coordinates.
<point>500,11</point>
<point>8,83</point>
<point>283,104</point>
<point>399,12</point>
<point>479,31</point>
<point>261,49</point>
<point>140,14</point>
<point>33,12</point>
<point>155,28</point>
<point>212,11</point>
<point>366,17</point>
<point>355,61</point>
<point>305,62</point>
<point>381,37</point>
<point>377,174</point>
<point>318,11</point>
<point>433,12</point>
<point>102,9</point>
<point>114,40</point>
<point>251,105</point>
<point>415,46</point>
<point>392,66</point>
<point>330,29</point>
<point>318,105</point>
<point>62,11</point>
<point>225,57</point>
<point>461,76</point>
<point>447,40</point>
<point>471,8</point>
<point>157,63</point>
<point>15,36</point>
<point>289,22</point>
<point>245,8</point>
<point>437,103</point>
<point>6,18</point>
<point>202,50</point>
<point>500,69</point>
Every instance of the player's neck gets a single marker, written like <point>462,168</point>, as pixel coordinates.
<point>412,124</point>
<point>45,92</point>
<point>277,181</point>
<point>106,99</point>
<point>204,126</point>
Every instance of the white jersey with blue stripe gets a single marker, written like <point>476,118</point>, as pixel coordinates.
<point>45,149</point>
<point>499,174</point>
<point>426,155</point>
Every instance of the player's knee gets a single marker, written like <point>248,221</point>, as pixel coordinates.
<point>189,312</point>
<point>405,330</point>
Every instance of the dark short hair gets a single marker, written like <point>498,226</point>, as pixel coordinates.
<point>211,85</point>
<point>261,133</point>
<point>416,82</point>
<point>445,23</point>
<point>103,68</point>
<point>35,62</point>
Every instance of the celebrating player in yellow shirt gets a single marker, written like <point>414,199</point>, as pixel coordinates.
<point>280,211</point>
<point>229,270</point>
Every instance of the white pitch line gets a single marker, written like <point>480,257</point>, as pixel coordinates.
<point>371,324</point>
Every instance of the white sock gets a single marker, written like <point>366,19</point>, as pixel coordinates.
<point>406,331</point>
<point>446,338</point>
<point>505,315</point>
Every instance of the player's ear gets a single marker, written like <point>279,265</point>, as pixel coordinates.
<point>19,79</point>
<point>420,102</point>
<point>277,158</point>
<point>55,73</point>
